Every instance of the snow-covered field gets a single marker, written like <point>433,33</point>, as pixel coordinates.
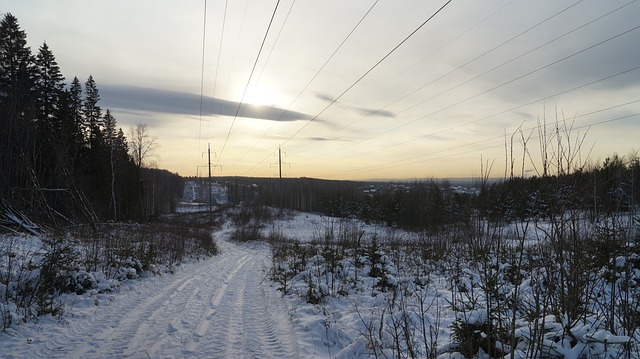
<point>399,298</point>
<point>221,307</point>
<point>240,304</point>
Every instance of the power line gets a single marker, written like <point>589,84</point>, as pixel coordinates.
<point>473,60</point>
<point>468,62</point>
<point>248,81</point>
<point>307,85</point>
<point>204,36</point>
<point>396,163</point>
<point>494,88</point>
<point>365,74</point>
<point>515,108</point>
<point>495,67</point>
<point>499,86</point>
<point>525,75</point>
<point>215,78</point>
<point>276,40</point>
<point>438,49</point>
<point>265,65</point>
<point>369,71</point>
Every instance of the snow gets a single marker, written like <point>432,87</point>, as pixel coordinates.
<point>228,306</point>
<point>222,307</point>
<point>195,196</point>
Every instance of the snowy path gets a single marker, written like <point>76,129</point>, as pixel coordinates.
<point>217,308</point>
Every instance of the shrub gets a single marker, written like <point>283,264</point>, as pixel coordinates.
<point>247,233</point>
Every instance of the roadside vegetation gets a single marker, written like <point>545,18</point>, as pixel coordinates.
<point>36,270</point>
<point>533,271</point>
<point>526,267</point>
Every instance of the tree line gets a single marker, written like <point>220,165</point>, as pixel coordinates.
<point>602,190</point>
<point>597,191</point>
<point>62,157</point>
<point>427,205</point>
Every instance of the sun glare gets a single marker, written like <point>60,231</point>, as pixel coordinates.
<point>264,96</point>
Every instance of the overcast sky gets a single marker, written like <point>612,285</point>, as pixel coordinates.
<point>358,106</point>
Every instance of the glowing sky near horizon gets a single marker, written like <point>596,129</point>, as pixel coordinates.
<point>441,104</point>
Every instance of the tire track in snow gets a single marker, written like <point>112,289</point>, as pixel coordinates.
<point>244,323</point>
<point>217,308</point>
<point>103,334</point>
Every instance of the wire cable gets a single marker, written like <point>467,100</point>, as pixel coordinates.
<point>369,71</point>
<point>275,42</point>
<point>464,65</point>
<point>515,108</point>
<point>215,76</point>
<point>306,86</point>
<point>440,48</point>
<point>204,36</point>
<point>393,164</point>
<point>248,82</point>
<point>501,85</point>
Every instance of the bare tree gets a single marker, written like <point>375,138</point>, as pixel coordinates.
<point>142,147</point>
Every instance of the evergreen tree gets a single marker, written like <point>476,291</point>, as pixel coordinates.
<point>91,111</point>
<point>110,136</point>
<point>16,110</point>
<point>70,115</point>
<point>49,85</point>
<point>16,65</point>
<point>47,135</point>
<point>75,104</point>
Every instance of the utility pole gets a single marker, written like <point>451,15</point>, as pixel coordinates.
<point>280,161</point>
<point>280,174</point>
<point>209,165</point>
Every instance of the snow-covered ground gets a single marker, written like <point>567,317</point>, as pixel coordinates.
<point>229,306</point>
<point>221,307</point>
<point>195,196</point>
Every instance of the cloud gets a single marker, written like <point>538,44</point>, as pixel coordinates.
<point>360,110</point>
<point>321,139</point>
<point>435,137</point>
<point>325,97</point>
<point>142,99</point>
<point>371,112</point>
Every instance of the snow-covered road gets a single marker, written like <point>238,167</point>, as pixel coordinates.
<point>222,307</point>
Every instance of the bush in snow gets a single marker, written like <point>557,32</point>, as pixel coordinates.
<point>57,263</point>
<point>247,233</point>
<point>35,271</point>
<point>81,281</point>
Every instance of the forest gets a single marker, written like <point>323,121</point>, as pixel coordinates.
<point>63,157</point>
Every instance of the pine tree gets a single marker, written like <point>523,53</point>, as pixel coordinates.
<point>91,111</point>
<point>110,136</point>
<point>48,135</point>
<point>75,103</point>
<point>16,65</point>
<point>16,110</point>
<point>49,86</point>
<point>71,118</point>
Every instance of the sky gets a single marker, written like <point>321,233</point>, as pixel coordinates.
<point>388,89</point>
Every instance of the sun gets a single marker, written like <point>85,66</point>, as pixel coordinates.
<point>263,95</point>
